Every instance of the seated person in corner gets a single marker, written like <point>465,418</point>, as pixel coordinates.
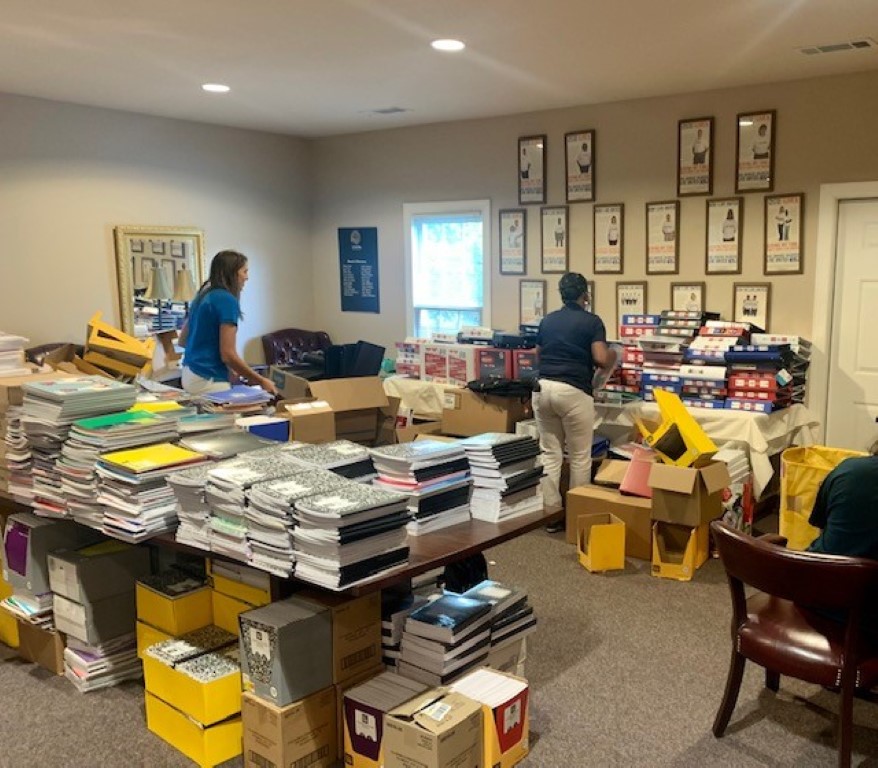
<point>846,509</point>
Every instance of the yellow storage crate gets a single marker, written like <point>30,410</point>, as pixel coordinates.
<point>148,635</point>
<point>206,745</point>
<point>801,472</point>
<point>600,542</point>
<point>238,588</point>
<point>8,624</point>
<point>174,614</point>
<point>226,611</point>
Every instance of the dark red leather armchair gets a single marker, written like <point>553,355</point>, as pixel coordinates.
<point>285,347</point>
<point>774,630</point>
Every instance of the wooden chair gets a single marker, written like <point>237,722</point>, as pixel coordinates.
<point>774,630</point>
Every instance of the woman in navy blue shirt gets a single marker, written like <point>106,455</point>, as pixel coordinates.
<point>210,333</point>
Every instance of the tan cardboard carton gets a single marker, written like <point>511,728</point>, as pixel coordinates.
<point>631,510</point>
<point>466,413</point>
<point>688,495</point>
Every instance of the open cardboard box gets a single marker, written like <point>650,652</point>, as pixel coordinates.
<point>688,495</point>
<point>311,420</point>
<point>466,413</point>
<point>631,510</point>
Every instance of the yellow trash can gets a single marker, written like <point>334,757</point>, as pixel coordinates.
<point>801,472</point>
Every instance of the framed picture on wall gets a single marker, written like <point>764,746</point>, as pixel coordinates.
<point>513,241</point>
<point>555,246</point>
<point>725,223</point>
<point>783,234</point>
<point>531,301</point>
<point>532,170</point>
<point>694,162</point>
<point>609,234</point>
<point>752,303</point>
<point>688,297</point>
<point>662,243</point>
<point>754,152</point>
<point>579,155</point>
<point>630,299</point>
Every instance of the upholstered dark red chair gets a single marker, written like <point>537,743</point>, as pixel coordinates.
<point>285,347</point>
<point>774,630</point>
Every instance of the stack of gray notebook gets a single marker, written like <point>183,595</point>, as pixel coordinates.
<point>512,617</point>
<point>340,456</point>
<point>270,520</point>
<point>349,534</point>
<point>434,475</point>
<point>49,408</point>
<point>91,437</point>
<point>223,443</point>
<point>506,476</point>
<point>193,511</point>
<point>226,493</point>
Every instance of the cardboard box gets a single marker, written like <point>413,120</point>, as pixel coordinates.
<point>679,438</point>
<point>437,730</point>
<point>311,421</point>
<point>205,702</point>
<point>206,746</point>
<point>356,631</point>
<point>631,510</point>
<point>340,690</point>
<point>525,364</point>
<point>96,622</point>
<point>226,610</point>
<point>41,646</point>
<point>413,431</point>
<point>97,572</point>
<point>240,581</point>
<point>148,635</point>
<point>288,382</point>
<point>467,362</point>
<point>679,550</point>
<point>688,495</point>
<point>286,650</point>
<point>466,413</point>
<point>174,614</point>
<point>611,472</point>
<point>11,392</point>
<point>600,542</point>
<point>300,734</point>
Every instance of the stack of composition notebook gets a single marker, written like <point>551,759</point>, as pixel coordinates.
<point>506,476</point>
<point>49,408</point>
<point>193,511</point>
<point>434,475</point>
<point>343,457</point>
<point>270,519</point>
<point>138,502</point>
<point>349,534</point>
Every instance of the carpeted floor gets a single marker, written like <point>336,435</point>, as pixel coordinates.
<point>625,669</point>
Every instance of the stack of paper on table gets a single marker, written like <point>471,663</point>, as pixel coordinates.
<point>193,511</point>
<point>351,533</point>
<point>138,502</point>
<point>445,638</point>
<point>395,609</point>
<point>269,515</point>
<point>435,476</point>
<point>12,361</point>
<point>226,493</point>
<point>512,618</point>
<point>92,667</point>
<point>506,475</point>
<point>18,458</point>
<point>88,438</point>
<point>50,407</point>
<point>343,457</point>
<point>224,443</point>
<point>239,400</point>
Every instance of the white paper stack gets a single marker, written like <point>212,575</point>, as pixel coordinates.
<point>506,476</point>
<point>92,667</point>
<point>18,458</point>
<point>193,511</point>
<point>12,361</point>
<point>395,609</point>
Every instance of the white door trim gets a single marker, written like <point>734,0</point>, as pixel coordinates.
<point>824,286</point>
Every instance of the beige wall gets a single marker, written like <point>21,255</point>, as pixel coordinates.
<point>825,133</point>
<point>69,174</point>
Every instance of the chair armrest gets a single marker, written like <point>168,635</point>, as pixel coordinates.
<point>773,538</point>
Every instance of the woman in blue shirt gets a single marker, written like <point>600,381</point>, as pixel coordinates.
<point>210,333</point>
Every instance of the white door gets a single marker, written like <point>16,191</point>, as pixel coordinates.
<point>853,377</point>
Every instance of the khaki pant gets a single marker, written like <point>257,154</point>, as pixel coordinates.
<point>198,385</point>
<point>564,414</point>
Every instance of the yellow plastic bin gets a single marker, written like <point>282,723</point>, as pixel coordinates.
<point>801,472</point>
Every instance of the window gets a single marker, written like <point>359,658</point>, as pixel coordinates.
<point>448,266</point>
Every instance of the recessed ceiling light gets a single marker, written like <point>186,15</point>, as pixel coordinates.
<point>448,45</point>
<point>215,88</point>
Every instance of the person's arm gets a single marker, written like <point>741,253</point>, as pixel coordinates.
<point>184,334</point>
<point>230,357</point>
<point>603,355</point>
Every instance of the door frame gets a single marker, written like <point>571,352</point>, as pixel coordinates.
<point>831,196</point>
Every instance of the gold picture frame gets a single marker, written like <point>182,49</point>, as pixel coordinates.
<point>168,250</point>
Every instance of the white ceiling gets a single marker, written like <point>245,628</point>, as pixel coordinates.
<point>320,67</point>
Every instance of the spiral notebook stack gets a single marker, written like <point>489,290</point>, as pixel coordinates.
<point>89,438</point>
<point>349,534</point>
<point>49,409</point>
<point>434,475</point>
<point>340,456</point>
<point>270,520</point>
<point>138,502</point>
<point>226,493</point>
<point>506,476</point>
